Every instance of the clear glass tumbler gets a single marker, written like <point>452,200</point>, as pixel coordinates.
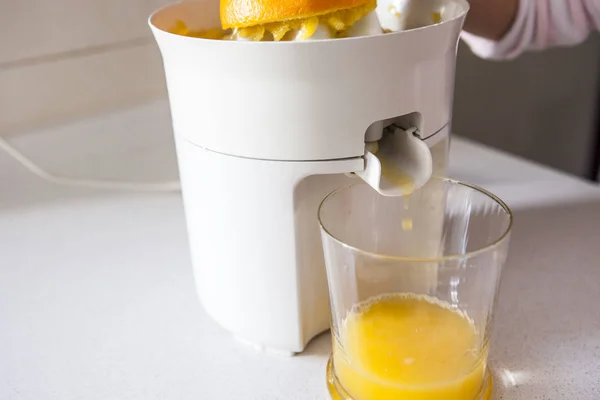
<point>413,283</point>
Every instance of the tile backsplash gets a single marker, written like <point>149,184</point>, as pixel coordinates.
<point>62,59</point>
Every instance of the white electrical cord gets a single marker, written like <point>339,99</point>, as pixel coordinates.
<point>173,186</point>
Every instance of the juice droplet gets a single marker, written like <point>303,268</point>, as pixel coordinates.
<point>394,11</point>
<point>309,27</point>
<point>254,33</point>
<point>336,23</point>
<point>279,32</point>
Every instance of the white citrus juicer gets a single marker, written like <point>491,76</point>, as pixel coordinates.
<point>264,130</point>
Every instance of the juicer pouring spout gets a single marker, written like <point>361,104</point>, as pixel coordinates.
<point>398,163</point>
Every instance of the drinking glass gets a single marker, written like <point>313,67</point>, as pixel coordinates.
<point>413,282</point>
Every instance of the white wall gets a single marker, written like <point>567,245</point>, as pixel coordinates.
<point>62,59</point>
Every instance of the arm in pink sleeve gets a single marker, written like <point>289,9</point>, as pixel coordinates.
<point>541,24</point>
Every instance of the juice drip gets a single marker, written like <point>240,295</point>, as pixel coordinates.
<point>407,222</point>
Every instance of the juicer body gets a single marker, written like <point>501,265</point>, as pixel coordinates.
<point>264,131</point>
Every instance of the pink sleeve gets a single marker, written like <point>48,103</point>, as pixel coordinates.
<point>541,24</point>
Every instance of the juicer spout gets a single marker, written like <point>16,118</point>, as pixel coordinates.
<point>398,163</point>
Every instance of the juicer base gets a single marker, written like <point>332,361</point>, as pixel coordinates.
<point>337,392</point>
<point>264,349</point>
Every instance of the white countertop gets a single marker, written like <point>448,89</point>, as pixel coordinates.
<point>97,299</point>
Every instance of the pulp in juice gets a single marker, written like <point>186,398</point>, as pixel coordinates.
<point>409,347</point>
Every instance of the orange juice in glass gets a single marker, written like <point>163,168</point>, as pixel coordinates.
<point>411,309</point>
